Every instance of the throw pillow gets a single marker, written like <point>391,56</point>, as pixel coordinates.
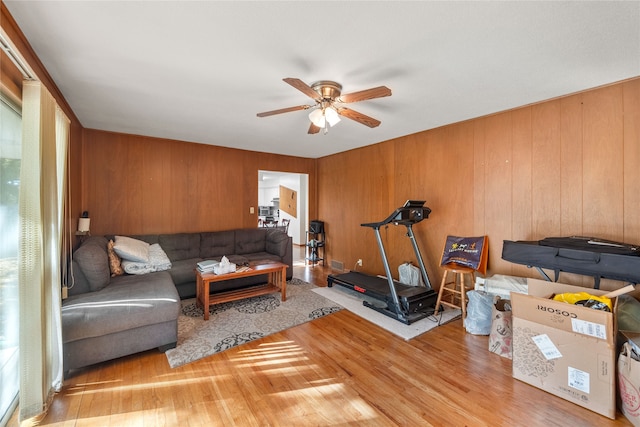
<point>131,249</point>
<point>93,260</point>
<point>114,261</point>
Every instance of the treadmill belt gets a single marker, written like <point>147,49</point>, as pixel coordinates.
<point>376,286</point>
<point>371,285</point>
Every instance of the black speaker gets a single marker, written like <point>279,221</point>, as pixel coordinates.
<point>316,226</point>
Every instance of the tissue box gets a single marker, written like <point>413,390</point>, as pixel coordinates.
<point>224,268</point>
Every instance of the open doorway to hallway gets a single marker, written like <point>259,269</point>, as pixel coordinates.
<point>285,196</point>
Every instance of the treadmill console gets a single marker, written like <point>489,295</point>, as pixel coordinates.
<point>413,211</point>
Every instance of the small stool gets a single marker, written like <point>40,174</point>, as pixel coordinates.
<point>456,289</point>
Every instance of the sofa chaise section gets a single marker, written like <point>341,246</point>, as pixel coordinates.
<point>109,317</point>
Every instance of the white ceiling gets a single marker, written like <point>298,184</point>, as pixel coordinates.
<point>200,71</point>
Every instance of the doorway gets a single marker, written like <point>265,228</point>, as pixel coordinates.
<point>296,186</point>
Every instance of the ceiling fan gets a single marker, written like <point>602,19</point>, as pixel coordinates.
<point>328,104</point>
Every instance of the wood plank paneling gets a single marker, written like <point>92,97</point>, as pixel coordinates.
<point>522,185</point>
<point>479,170</point>
<point>360,189</point>
<point>562,167</point>
<point>183,187</point>
<point>140,185</point>
<point>545,175</point>
<point>155,163</point>
<point>571,168</point>
<point>571,175</point>
<point>603,163</point>
<point>498,195</point>
<point>447,177</point>
<point>631,95</point>
<point>416,161</point>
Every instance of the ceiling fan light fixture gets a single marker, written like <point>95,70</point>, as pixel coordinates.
<point>331,115</point>
<point>321,117</point>
<point>317,117</point>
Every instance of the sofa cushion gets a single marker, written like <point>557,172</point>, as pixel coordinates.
<point>217,244</point>
<point>91,257</point>
<point>180,246</point>
<point>128,302</point>
<point>262,258</point>
<point>276,242</point>
<point>250,240</point>
<point>182,271</point>
<point>131,249</point>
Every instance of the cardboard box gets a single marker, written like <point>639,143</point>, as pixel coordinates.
<point>564,349</point>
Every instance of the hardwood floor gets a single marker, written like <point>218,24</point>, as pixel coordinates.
<point>335,371</point>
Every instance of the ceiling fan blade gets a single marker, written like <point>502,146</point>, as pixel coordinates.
<point>303,87</point>
<point>313,129</point>
<point>376,92</point>
<point>358,117</point>
<point>283,110</point>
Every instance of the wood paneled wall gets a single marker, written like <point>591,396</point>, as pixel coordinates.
<point>568,166</point>
<point>142,185</point>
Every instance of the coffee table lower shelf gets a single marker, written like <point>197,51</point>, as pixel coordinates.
<point>277,283</point>
<point>243,293</point>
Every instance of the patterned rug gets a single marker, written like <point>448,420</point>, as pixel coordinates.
<point>237,322</point>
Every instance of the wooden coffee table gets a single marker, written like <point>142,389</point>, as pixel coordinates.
<point>277,282</point>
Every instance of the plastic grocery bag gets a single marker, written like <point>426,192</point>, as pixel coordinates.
<point>410,274</point>
<point>479,309</point>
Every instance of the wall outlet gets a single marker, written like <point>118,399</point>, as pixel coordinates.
<point>252,210</point>
<point>65,292</point>
<point>359,262</point>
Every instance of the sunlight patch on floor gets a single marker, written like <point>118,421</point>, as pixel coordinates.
<point>154,384</point>
<point>269,354</point>
<point>329,395</point>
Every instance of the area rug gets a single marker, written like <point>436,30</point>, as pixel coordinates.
<point>352,301</point>
<point>237,322</point>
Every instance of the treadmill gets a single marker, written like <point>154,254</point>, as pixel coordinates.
<point>399,301</point>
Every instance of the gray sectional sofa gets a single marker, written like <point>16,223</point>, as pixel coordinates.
<point>107,317</point>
